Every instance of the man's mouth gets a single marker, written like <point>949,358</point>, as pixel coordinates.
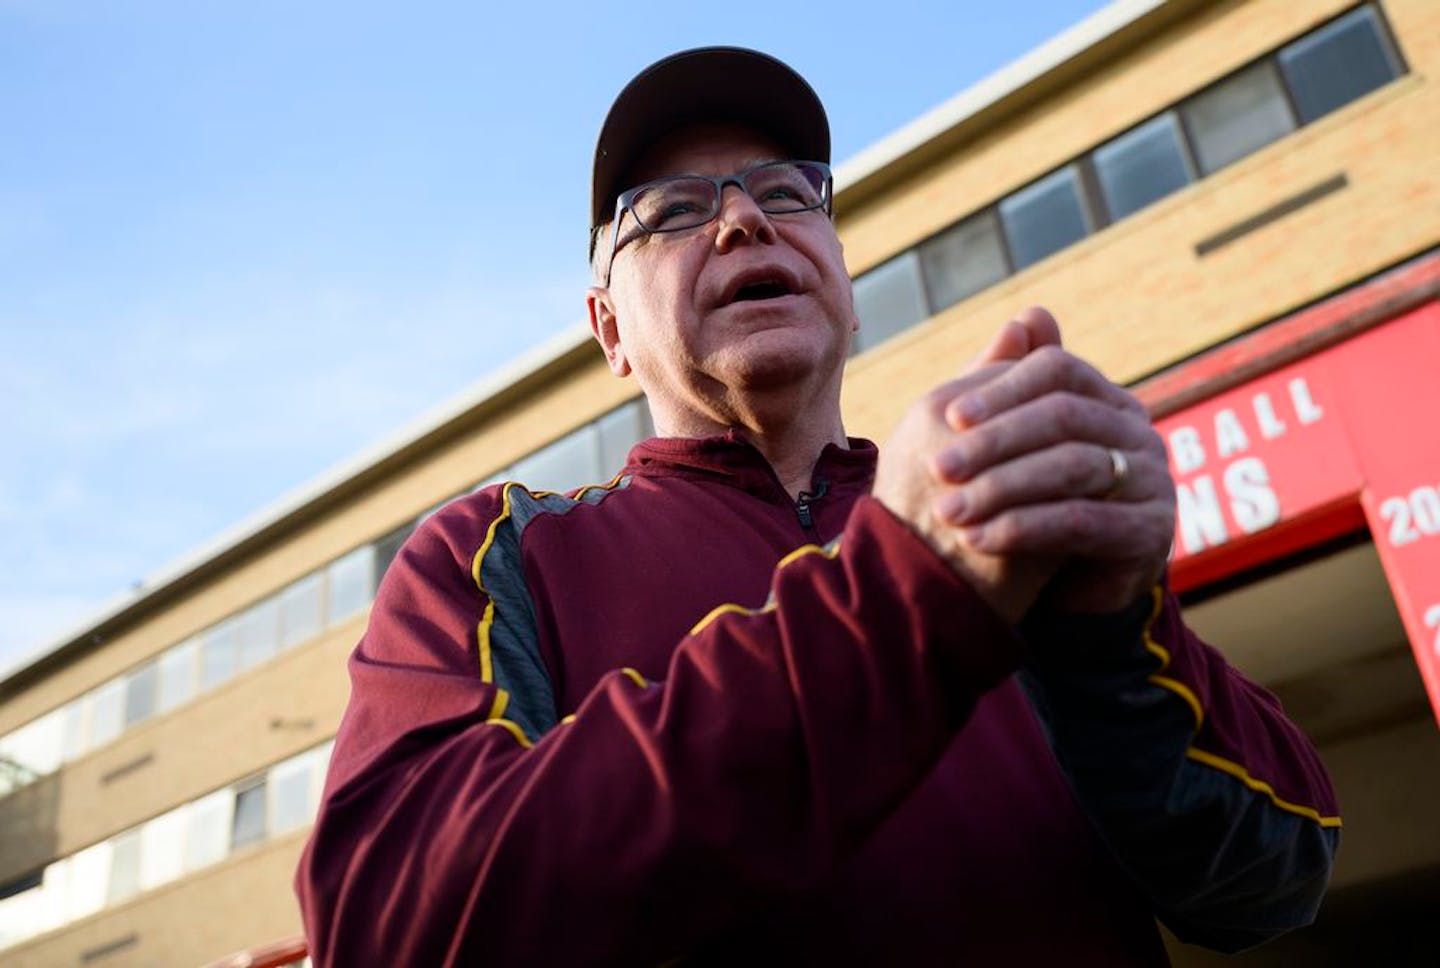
<point>761,290</point>
<point>760,286</point>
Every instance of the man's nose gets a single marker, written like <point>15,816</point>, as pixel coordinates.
<point>741,220</point>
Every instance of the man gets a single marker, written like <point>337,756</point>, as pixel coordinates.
<point>765,699</point>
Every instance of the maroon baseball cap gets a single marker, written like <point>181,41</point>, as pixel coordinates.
<point>705,84</point>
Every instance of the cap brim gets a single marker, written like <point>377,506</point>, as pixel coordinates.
<point>727,84</point>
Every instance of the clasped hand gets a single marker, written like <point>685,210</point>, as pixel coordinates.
<point>1007,472</point>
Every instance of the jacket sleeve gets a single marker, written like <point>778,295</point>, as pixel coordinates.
<point>1215,802</point>
<point>659,812</point>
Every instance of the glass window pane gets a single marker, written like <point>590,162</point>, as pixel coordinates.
<point>162,848</point>
<point>249,822</point>
<point>962,260</point>
<point>293,786</point>
<point>50,907</point>
<point>352,582</point>
<point>32,751</point>
<point>177,674</point>
<point>389,546</point>
<point>77,728</point>
<point>140,687</point>
<point>301,610</point>
<point>107,713</point>
<point>570,462</point>
<point>258,632</point>
<point>619,430</point>
<point>219,653</point>
<point>88,881</point>
<point>1237,116</point>
<point>207,829</point>
<point>20,910</point>
<point>889,298</point>
<point>124,867</point>
<point>1338,63</point>
<point>1045,217</point>
<point>1142,166</point>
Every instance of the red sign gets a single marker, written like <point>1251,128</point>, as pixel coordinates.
<point>1355,425</point>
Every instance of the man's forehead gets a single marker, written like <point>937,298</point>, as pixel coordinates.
<point>704,148</point>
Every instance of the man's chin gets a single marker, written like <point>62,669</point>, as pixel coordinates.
<point>776,361</point>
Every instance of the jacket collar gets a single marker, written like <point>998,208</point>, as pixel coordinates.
<point>731,459</point>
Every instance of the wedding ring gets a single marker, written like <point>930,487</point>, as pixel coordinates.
<point>1119,470</point>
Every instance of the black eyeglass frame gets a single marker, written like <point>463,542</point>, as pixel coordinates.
<point>625,203</point>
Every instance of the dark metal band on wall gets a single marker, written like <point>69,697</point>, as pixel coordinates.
<point>1272,214</point>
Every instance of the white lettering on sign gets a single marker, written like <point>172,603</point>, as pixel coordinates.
<point>1305,407</point>
<point>1201,523</point>
<point>1252,500</point>
<point>1188,451</point>
<point>1253,504</point>
<point>1413,516</point>
<point>1271,426</point>
<point>1229,435</point>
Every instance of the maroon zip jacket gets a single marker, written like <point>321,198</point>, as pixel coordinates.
<point>684,717</point>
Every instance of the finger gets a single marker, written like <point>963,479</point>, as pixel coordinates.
<point>1047,370</point>
<point>1011,342</point>
<point>1032,426</point>
<point>1065,471</point>
<point>977,374</point>
<point>1104,530</point>
<point>1040,325</point>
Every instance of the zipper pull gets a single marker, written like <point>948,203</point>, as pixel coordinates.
<point>803,502</point>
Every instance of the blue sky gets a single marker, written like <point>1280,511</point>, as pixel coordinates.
<point>241,241</point>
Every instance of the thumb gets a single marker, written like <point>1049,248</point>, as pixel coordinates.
<point>1040,327</point>
<point>1011,342</point>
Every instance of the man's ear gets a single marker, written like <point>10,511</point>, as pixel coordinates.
<point>604,326</point>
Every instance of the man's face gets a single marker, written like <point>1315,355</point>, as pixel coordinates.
<point>745,304</point>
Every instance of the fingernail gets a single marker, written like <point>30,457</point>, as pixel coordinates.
<point>972,409</point>
<point>951,465</point>
<point>973,534</point>
<point>952,506</point>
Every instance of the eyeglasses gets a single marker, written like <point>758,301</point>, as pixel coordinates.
<point>687,201</point>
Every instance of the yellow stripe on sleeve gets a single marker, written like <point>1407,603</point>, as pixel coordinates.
<point>1220,763</point>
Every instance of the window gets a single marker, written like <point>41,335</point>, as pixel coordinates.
<point>1142,166</point>
<point>1045,217</point>
<point>888,299</point>
<point>124,867</point>
<point>32,751</point>
<point>619,430</point>
<point>162,848</point>
<point>257,632</point>
<point>1240,115</point>
<point>76,728</point>
<point>1338,63</point>
<point>177,674</point>
<point>207,834</point>
<point>962,260</point>
<point>107,712</point>
<point>352,582</point>
<point>569,462</point>
<point>293,785</point>
<point>88,881</point>
<point>389,546</point>
<point>140,688</point>
<point>248,824</point>
<point>219,653</point>
<point>302,610</point>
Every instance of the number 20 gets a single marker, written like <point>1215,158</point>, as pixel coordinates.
<point>1422,506</point>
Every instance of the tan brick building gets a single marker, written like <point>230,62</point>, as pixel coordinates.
<point>1209,195</point>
